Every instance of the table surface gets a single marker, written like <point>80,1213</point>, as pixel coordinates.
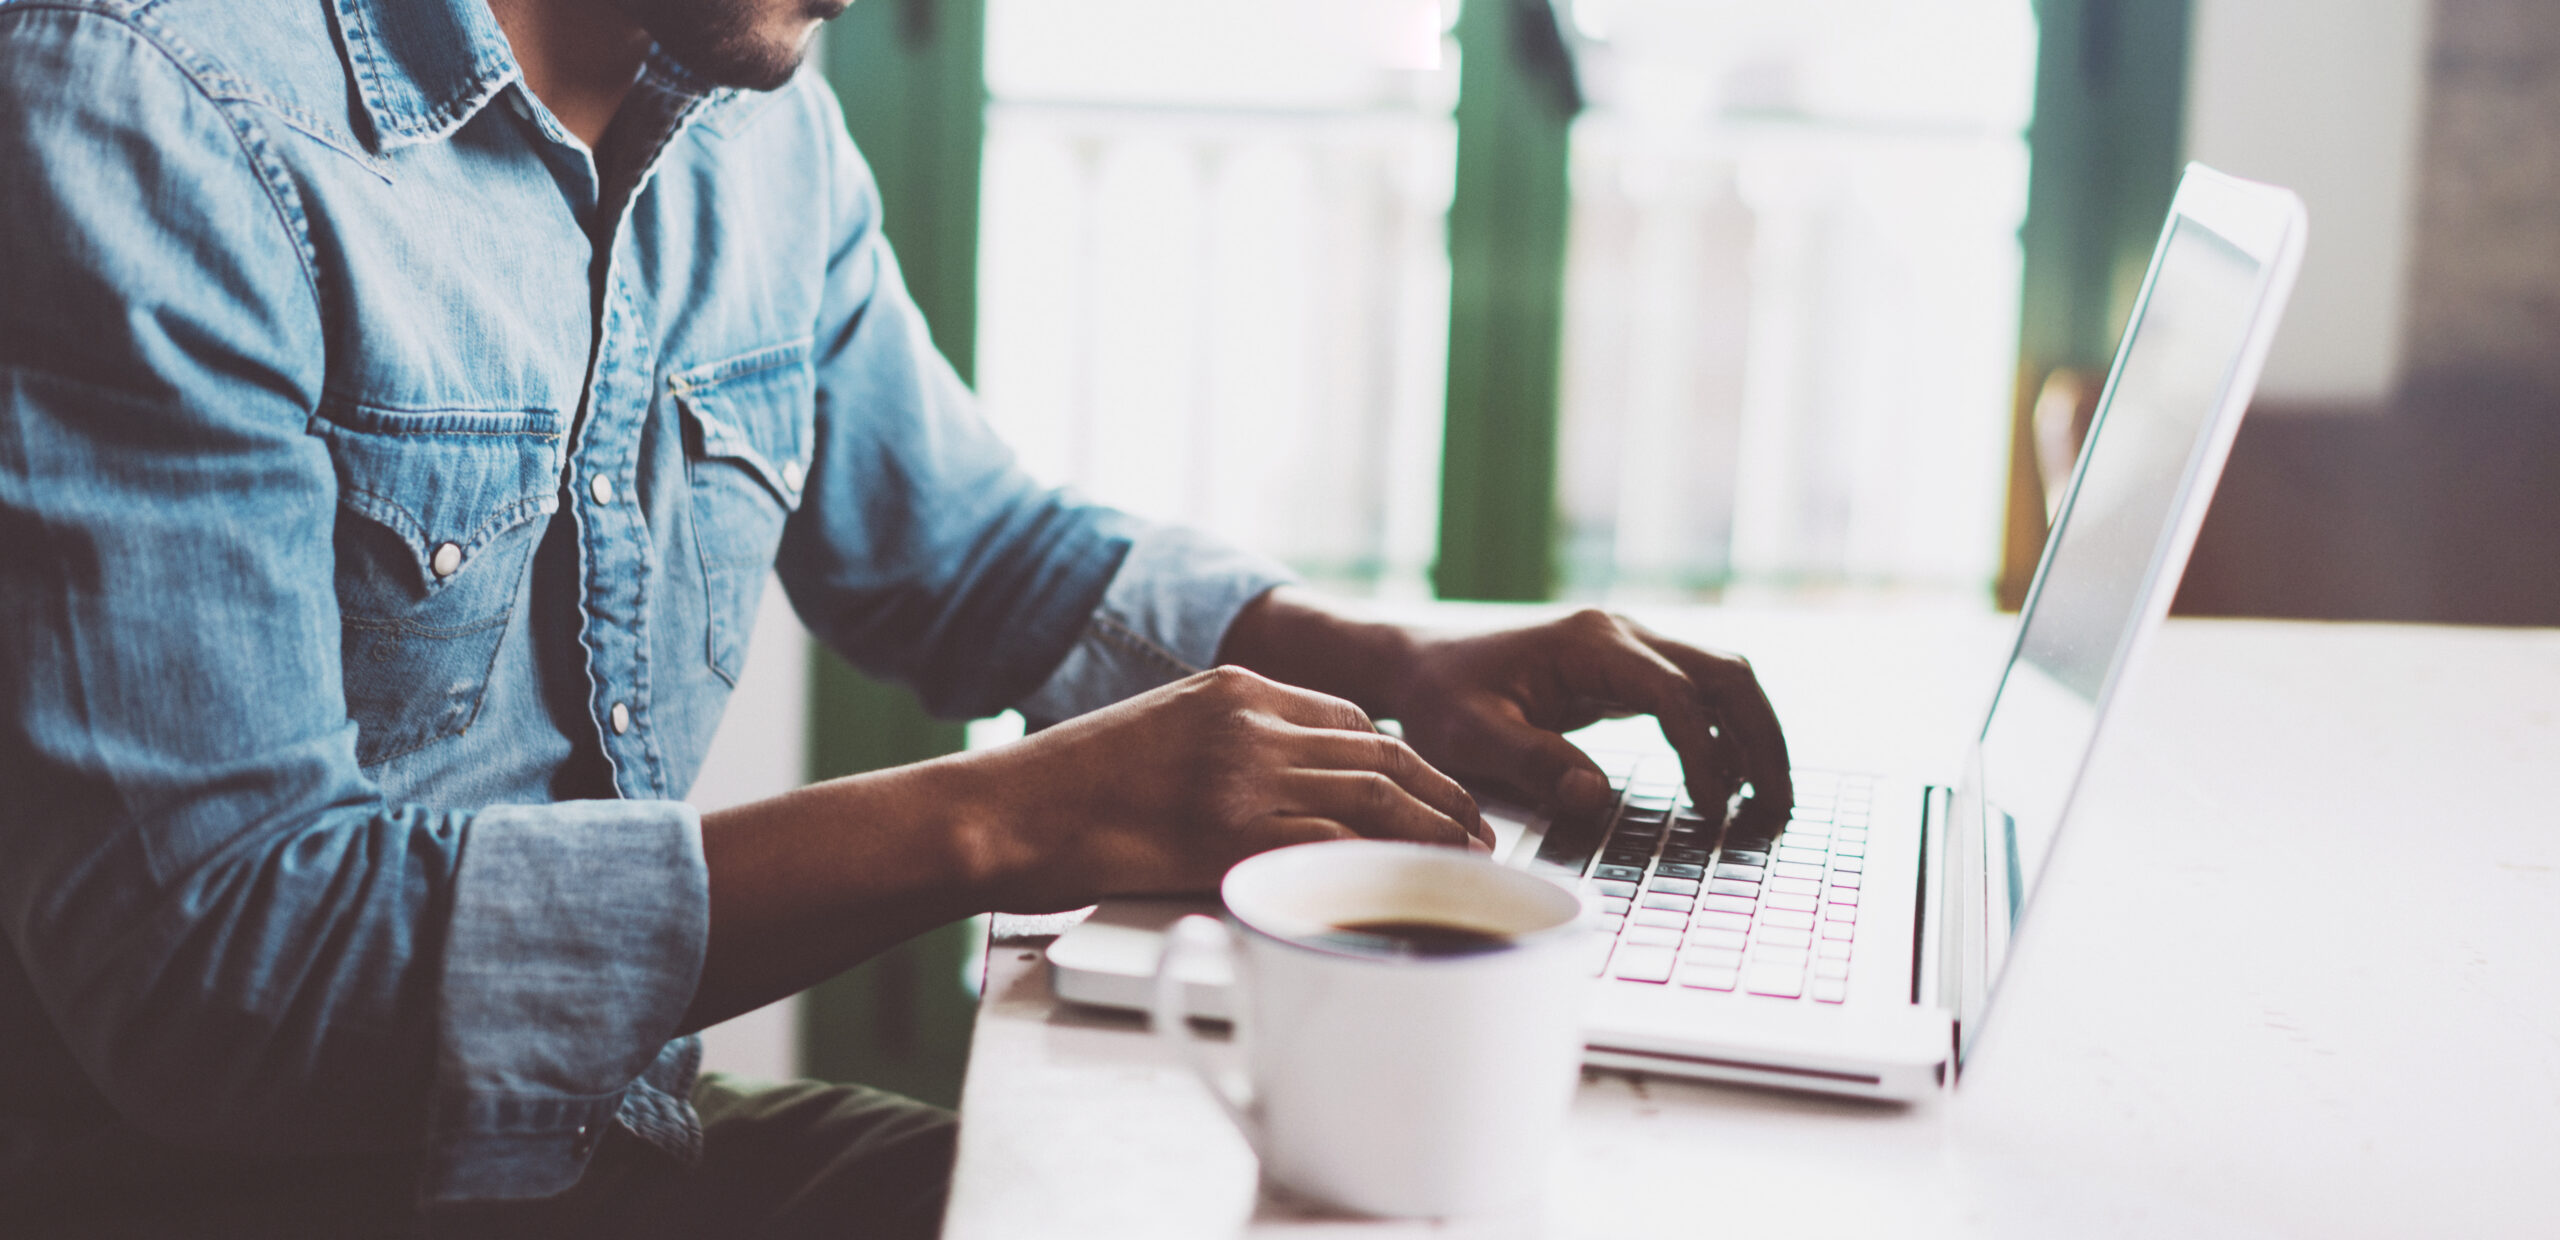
<point>2294,970</point>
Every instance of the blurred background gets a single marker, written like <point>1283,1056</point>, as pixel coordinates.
<point>1648,301</point>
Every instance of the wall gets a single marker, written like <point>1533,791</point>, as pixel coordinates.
<point>2446,508</point>
<point>2326,98</point>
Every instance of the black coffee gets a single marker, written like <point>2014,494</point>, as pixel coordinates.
<point>1416,937</point>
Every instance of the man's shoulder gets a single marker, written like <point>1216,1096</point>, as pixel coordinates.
<point>279,53</point>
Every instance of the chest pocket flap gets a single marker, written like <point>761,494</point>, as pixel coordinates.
<point>749,426</point>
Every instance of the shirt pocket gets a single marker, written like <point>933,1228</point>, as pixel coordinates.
<point>748,424</point>
<point>439,513</point>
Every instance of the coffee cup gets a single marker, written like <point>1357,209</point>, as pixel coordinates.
<point>1410,1020</point>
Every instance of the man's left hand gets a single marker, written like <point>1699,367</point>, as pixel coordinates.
<point>1491,708</point>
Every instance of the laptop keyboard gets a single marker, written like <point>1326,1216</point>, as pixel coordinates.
<point>1685,902</point>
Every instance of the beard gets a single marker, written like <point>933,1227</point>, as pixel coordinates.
<point>750,44</point>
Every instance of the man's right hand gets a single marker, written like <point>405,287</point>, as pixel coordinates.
<point>1164,791</point>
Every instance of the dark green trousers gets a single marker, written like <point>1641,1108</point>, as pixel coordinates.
<point>783,1161</point>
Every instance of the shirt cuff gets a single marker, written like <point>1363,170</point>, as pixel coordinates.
<point>1162,618</point>
<point>574,948</point>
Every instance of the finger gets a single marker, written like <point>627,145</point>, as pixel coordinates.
<point>1369,803</point>
<point>1535,763</point>
<point>1619,667</point>
<point>1328,749</point>
<point>1751,722</point>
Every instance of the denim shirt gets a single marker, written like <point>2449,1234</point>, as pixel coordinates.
<point>387,485</point>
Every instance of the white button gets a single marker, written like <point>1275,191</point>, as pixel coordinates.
<point>601,487</point>
<point>550,504</point>
<point>621,719</point>
<point>448,558</point>
<point>791,476</point>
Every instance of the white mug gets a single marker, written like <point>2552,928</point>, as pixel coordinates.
<point>1385,1076</point>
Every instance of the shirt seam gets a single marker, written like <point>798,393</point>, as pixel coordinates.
<point>255,150</point>
<point>1111,631</point>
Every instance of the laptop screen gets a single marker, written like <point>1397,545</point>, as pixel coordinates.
<point>2140,458</point>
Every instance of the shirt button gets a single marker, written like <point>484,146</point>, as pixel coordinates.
<point>448,558</point>
<point>791,476</point>
<point>601,487</point>
<point>621,717</point>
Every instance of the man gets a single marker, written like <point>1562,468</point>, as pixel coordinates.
<point>401,404</point>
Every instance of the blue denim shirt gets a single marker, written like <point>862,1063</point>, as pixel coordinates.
<point>387,484</point>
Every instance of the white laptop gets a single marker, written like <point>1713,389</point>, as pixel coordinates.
<point>1856,952</point>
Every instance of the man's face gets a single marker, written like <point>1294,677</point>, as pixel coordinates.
<point>755,44</point>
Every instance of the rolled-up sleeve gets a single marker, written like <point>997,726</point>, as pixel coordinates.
<point>236,936</point>
<point>1162,618</point>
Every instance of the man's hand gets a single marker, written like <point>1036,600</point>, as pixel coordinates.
<point>1164,791</point>
<point>1491,707</point>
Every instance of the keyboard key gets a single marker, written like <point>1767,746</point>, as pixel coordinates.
<point>1828,990</point>
<point>1744,856</point>
<point>1674,869</point>
<point>1655,800</point>
<point>1775,982</point>
<point>1613,888</point>
<point>1682,886</point>
<point>1650,936</point>
<point>1685,856</point>
<point>1780,953</point>
<point>1782,936</point>
<point>1711,979</point>
<point>1644,964</point>
<point>1717,940</point>
<point>1620,873</point>
<point>1726,904</point>
<point>1796,886</point>
<point>1793,869</point>
<point>1850,865</point>
<point>1719,920</point>
<point>1839,930</point>
<point>1619,856</point>
<point>1666,900</point>
<point>1747,873</point>
<point>1608,925</point>
<point>1854,835</point>
<point>1847,878</point>
<point>1734,887</point>
<point>1843,895</point>
<point>1808,811</point>
<point>1599,949</point>
<point>1831,949</point>
<point>1849,850</point>
<point>1840,912</point>
<point>1786,919</point>
<point>1805,835</point>
<point>1661,917</point>
<point>1801,856</point>
<point>1831,968</point>
<point>1791,901</point>
<point>1615,906</point>
<point>1712,958</point>
<point>1689,817</point>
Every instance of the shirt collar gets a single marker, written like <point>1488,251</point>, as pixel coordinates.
<point>423,67</point>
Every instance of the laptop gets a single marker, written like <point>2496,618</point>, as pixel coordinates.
<point>1856,950</point>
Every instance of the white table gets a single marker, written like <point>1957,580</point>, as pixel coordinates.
<point>2295,971</point>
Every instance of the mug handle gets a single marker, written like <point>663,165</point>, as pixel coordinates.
<point>1196,935</point>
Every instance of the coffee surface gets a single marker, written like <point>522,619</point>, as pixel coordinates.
<point>1416,937</point>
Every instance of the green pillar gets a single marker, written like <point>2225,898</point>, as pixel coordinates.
<point>911,75</point>
<point>1516,102</point>
<point>2104,152</point>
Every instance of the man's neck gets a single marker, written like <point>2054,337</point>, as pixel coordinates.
<point>579,58</point>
